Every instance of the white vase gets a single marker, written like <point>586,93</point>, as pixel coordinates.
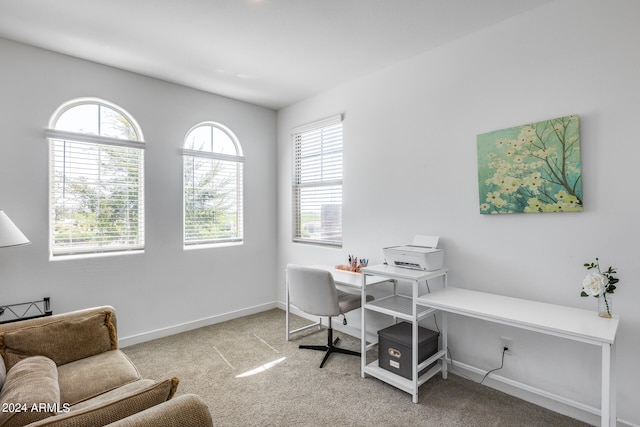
<point>605,305</point>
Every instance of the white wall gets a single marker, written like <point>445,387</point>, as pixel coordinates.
<point>410,167</point>
<point>166,286</point>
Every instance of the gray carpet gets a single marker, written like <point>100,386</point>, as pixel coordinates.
<point>295,392</point>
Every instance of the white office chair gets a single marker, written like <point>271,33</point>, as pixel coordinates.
<point>313,291</point>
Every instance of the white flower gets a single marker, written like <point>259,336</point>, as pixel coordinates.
<point>594,284</point>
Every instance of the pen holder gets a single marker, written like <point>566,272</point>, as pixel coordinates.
<point>354,264</point>
<point>350,268</point>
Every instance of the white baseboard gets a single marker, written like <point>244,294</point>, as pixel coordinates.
<point>188,326</point>
<point>528,393</point>
<point>534,395</point>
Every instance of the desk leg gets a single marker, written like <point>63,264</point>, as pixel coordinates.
<point>363,328</point>
<point>287,309</point>
<point>445,344</point>
<point>613,387</point>
<point>414,344</point>
<point>608,407</point>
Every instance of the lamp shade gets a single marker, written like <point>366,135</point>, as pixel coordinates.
<point>10,235</point>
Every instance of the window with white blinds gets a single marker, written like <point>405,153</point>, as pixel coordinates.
<point>213,166</point>
<point>96,182</point>
<point>317,182</point>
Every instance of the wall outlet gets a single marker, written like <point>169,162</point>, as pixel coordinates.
<point>508,344</point>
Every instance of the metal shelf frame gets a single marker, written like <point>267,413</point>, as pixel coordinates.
<point>26,310</point>
<point>400,307</point>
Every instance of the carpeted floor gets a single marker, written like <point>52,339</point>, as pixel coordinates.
<point>249,375</point>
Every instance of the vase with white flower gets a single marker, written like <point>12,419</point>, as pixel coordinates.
<point>598,284</point>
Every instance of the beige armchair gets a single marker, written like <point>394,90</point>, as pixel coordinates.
<point>67,370</point>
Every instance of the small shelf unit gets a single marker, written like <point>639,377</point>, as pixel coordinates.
<point>400,307</point>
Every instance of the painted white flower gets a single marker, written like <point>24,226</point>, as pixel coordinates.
<point>492,196</point>
<point>534,205</point>
<point>594,284</point>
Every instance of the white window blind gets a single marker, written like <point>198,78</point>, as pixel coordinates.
<point>213,199</point>
<point>96,181</point>
<point>317,183</point>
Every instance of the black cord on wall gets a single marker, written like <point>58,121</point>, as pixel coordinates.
<point>504,350</point>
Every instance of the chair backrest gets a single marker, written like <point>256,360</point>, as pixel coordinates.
<point>312,290</point>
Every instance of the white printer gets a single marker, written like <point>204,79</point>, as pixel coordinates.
<point>422,254</point>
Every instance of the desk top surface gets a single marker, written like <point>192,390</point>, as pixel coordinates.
<point>574,323</point>
<point>349,278</point>
<point>402,273</point>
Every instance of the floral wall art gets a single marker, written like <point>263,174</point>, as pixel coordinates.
<point>531,168</point>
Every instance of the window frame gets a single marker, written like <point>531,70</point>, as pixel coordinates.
<point>297,135</point>
<point>239,161</point>
<point>94,141</point>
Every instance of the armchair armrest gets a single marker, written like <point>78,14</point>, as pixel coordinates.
<point>184,410</point>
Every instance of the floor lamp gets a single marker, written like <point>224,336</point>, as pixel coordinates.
<point>10,235</point>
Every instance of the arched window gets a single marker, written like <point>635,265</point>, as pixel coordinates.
<point>96,179</point>
<point>213,164</point>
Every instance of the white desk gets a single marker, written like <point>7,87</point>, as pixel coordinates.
<point>344,278</point>
<point>565,322</point>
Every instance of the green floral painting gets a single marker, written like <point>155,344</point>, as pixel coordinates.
<point>531,168</point>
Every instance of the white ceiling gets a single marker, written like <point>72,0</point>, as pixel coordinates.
<point>268,52</point>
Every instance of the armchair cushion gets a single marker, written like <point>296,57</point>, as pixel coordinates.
<point>30,392</point>
<point>62,340</point>
<point>89,377</point>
